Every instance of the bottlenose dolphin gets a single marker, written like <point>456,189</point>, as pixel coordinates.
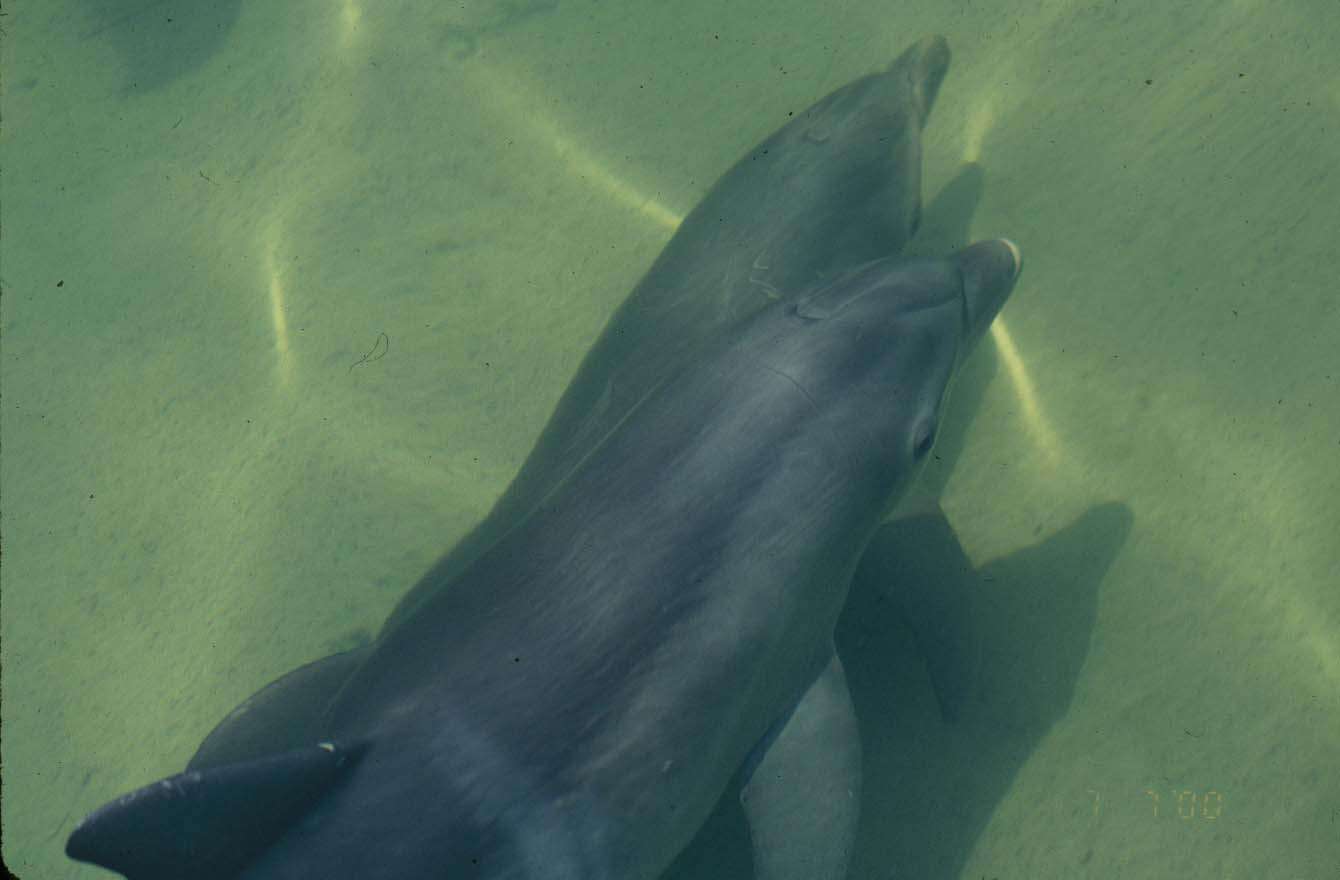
<point>836,187</point>
<point>576,703</point>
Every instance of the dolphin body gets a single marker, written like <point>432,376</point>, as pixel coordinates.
<point>571,699</point>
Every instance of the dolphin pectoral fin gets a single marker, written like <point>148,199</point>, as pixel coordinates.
<point>802,798</point>
<point>285,714</point>
<point>918,562</point>
<point>208,824</point>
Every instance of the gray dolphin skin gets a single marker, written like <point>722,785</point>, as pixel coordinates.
<point>650,616</point>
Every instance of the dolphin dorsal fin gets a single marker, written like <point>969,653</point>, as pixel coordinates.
<point>209,824</point>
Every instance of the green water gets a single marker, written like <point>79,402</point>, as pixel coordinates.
<point>289,288</point>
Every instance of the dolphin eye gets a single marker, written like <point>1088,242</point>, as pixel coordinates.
<point>923,439</point>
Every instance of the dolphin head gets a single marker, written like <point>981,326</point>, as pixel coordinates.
<point>838,185</point>
<point>878,112</point>
<point>876,351</point>
<point>857,158</point>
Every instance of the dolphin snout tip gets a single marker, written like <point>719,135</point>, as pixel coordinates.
<point>990,269</point>
<point>922,67</point>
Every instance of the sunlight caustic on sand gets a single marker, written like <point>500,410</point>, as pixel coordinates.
<point>1022,384</point>
<point>506,92</point>
<point>278,319</point>
<point>584,166</point>
<point>347,56</point>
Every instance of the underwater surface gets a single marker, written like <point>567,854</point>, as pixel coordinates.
<point>289,289</point>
